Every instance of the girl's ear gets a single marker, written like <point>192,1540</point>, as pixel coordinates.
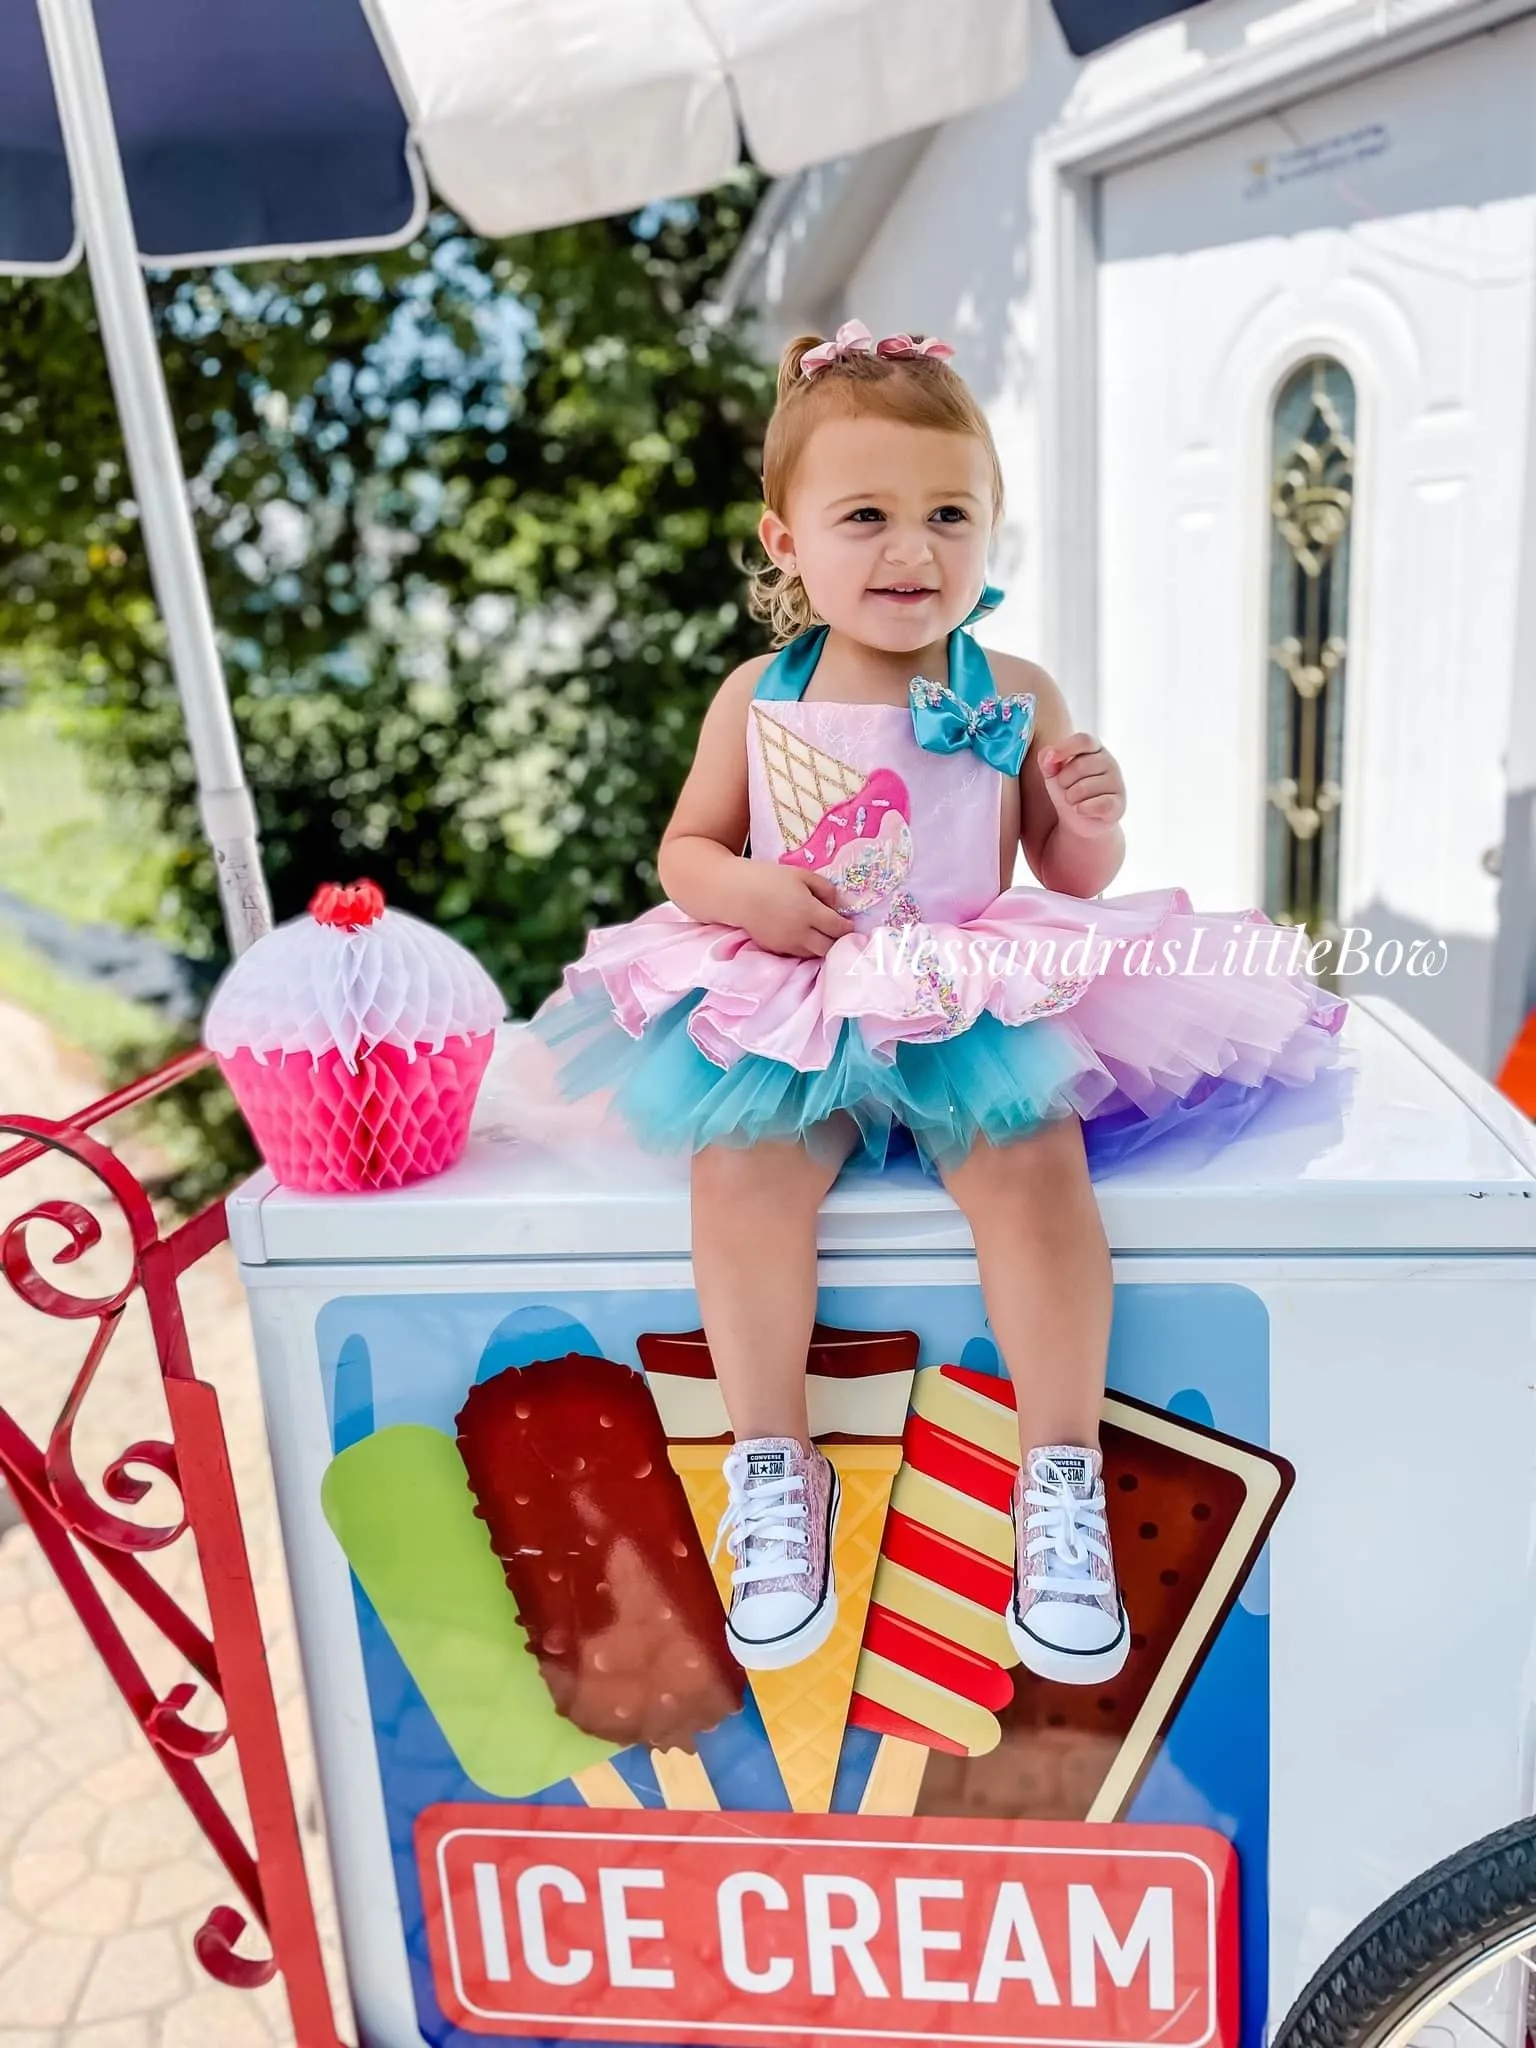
<point>778,542</point>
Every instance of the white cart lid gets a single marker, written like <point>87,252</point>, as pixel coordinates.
<point>1402,1148</point>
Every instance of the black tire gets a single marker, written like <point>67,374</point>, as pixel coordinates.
<point>1418,1942</point>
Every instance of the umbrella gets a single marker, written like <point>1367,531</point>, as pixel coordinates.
<point>175,132</point>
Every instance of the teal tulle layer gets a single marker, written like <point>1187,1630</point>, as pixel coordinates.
<point>994,1081</point>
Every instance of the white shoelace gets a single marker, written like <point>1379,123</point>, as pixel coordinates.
<point>1068,1532</point>
<point>760,1525</point>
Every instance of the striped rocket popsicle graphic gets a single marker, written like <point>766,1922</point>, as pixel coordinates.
<point>1189,1508</point>
<point>934,1673</point>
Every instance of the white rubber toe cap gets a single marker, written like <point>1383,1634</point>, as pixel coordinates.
<point>1070,1641</point>
<point>781,1629</point>
<point>765,1617</point>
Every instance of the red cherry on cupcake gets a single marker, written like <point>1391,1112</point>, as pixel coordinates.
<point>347,905</point>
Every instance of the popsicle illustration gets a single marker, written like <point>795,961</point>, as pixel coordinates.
<point>845,825</point>
<point>400,1502</point>
<point>1189,1510</point>
<point>859,1384</point>
<point>568,1466</point>
<point>400,1506</point>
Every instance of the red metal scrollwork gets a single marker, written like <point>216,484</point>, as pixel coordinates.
<point>73,1529</point>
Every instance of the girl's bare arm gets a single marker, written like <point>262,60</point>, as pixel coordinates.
<point>700,858</point>
<point>1061,862</point>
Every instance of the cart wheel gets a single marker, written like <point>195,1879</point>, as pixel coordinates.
<point>1404,1971</point>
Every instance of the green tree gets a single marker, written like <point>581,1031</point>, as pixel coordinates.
<point>472,514</point>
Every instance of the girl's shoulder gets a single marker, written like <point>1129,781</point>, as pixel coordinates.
<point>1015,675</point>
<point>742,681</point>
<point>725,717</point>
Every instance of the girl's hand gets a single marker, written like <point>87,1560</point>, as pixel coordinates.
<point>789,910</point>
<point>1084,782</point>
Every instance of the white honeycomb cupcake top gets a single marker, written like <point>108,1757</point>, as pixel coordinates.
<point>349,975</point>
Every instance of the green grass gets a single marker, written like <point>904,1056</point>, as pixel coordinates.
<point>106,1026</point>
<point>63,845</point>
<point>66,848</point>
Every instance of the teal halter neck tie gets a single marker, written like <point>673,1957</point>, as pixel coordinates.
<point>964,712</point>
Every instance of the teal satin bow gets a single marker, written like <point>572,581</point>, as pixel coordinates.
<point>968,711</point>
<point>997,728</point>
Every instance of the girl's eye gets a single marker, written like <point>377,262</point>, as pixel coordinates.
<point>949,514</point>
<point>866,513</point>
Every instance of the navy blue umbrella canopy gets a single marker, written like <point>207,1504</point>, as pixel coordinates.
<point>244,126</point>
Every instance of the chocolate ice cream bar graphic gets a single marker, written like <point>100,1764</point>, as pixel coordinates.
<point>858,1384</point>
<point>568,1465</point>
<point>1189,1510</point>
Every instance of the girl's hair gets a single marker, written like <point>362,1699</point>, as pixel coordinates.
<point>921,391</point>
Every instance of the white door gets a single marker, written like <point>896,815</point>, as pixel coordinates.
<point>1389,227</point>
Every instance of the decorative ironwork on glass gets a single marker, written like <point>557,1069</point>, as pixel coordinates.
<point>1311,504</point>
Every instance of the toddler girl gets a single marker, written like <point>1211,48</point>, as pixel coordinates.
<point>864,967</point>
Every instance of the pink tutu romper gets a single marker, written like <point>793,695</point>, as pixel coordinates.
<point>955,1009</point>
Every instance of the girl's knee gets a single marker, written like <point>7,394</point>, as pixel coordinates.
<point>766,1172</point>
<point>1027,1173</point>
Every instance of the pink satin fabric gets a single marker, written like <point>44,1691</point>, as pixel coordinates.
<point>937,940</point>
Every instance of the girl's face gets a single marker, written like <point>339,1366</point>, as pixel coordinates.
<point>887,526</point>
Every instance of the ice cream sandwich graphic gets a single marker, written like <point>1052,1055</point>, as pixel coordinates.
<point>965,1731</point>
<point>859,1386</point>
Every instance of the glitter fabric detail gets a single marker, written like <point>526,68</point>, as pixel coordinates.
<point>936,990</point>
<point>1059,995</point>
<point>866,871</point>
<point>1062,1549</point>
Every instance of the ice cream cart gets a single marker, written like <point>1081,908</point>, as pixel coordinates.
<point>557,1810</point>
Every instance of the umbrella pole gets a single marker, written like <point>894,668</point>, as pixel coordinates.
<point>138,382</point>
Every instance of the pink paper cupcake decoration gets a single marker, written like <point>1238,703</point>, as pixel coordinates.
<point>354,1040</point>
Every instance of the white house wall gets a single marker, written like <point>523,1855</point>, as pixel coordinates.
<point>1436,658</point>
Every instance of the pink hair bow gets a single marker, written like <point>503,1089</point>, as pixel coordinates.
<point>853,338</point>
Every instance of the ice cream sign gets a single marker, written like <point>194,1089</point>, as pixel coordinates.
<point>602,1829</point>
<point>789,1929</point>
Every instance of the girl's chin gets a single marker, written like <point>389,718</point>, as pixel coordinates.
<point>896,628</point>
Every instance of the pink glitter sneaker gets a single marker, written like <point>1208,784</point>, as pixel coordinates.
<point>1066,1618</point>
<point>778,1525</point>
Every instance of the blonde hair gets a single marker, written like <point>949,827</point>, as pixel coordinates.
<point>920,391</point>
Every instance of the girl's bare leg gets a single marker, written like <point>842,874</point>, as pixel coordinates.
<point>754,1266</point>
<point>1045,1276</point>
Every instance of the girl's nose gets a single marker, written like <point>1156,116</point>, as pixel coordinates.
<point>908,546</point>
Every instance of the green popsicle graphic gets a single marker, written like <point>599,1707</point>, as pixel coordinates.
<point>402,1511</point>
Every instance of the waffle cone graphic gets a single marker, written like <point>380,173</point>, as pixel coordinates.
<point>803,782</point>
<point>805,1709</point>
<point>858,1384</point>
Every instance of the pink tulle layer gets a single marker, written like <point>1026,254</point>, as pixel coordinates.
<point>1157,994</point>
<point>395,1117</point>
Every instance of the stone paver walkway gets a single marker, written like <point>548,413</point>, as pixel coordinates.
<point>104,1877</point>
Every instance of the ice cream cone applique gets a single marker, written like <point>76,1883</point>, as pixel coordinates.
<point>853,828</point>
<point>1189,1509</point>
<point>859,1384</point>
